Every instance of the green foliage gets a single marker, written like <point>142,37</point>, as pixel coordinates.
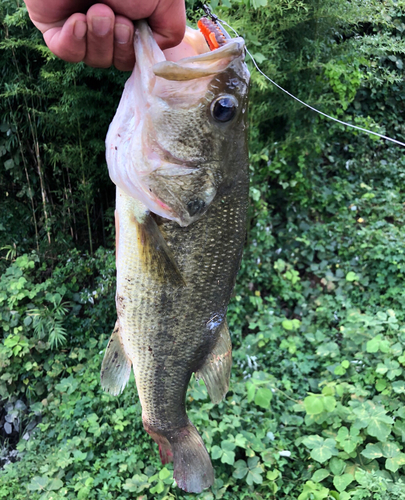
<point>315,409</point>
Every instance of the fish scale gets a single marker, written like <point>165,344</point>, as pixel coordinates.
<point>208,263</point>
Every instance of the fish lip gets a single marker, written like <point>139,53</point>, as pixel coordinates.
<point>202,64</point>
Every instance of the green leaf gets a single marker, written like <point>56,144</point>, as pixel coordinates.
<point>272,475</point>
<point>38,483</point>
<point>287,324</point>
<point>263,397</point>
<point>375,418</point>
<point>313,405</point>
<point>337,466</point>
<point>342,482</point>
<point>251,389</point>
<point>164,474</point>
<point>313,491</point>
<point>373,344</point>
<point>55,484</point>
<point>137,483</point>
<point>390,450</point>
<point>319,475</point>
<point>255,471</point>
<point>79,455</point>
<point>159,488</point>
<point>324,452</point>
<point>228,457</point>
<point>259,3</point>
<point>393,464</point>
<point>83,493</point>
<point>329,402</point>
<point>351,276</point>
<point>216,452</point>
<point>373,451</point>
<point>399,387</point>
<point>312,441</point>
<point>240,470</point>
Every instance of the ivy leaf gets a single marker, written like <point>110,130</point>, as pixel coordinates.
<point>259,3</point>
<point>164,474</point>
<point>342,482</point>
<point>263,397</point>
<point>228,457</point>
<point>216,452</point>
<point>55,484</point>
<point>390,450</point>
<point>373,451</point>
<point>319,475</point>
<point>313,405</point>
<point>375,418</point>
<point>38,483</point>
<point>137,483</point>
<point>79,455</point>
<point>312,441</point>
<point>251,390</point>
<point>393,464</point>
<point>325,451</point>
<point>255,471</point>
<point>337,466</point>
<point>158,488</point>
<point>240,470</point>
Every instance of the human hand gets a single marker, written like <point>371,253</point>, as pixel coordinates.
<point>104,34</point>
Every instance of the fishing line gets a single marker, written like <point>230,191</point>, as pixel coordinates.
<point>216,19</point>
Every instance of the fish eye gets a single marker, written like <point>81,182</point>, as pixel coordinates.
<point>224,108</point>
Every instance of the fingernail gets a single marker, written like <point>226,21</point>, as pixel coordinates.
<point>101,25</point>
<point>121,33</point>
<point>79,29</point>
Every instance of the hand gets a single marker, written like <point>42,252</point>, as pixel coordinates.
<point>104,35</point>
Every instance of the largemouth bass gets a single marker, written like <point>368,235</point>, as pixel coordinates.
<point>177,152</point>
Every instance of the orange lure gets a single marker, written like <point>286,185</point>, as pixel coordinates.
<point>212,33</point>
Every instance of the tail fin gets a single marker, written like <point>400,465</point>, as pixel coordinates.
<point>193,470</point>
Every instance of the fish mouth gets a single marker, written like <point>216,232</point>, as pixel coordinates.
<point>197,56</point>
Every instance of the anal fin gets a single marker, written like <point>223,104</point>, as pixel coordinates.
<point>216,370</point>
<point>116,366</point>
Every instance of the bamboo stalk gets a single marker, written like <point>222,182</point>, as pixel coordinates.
<point>34,135</point>
<point>30,191</point>
<point>84,182</point>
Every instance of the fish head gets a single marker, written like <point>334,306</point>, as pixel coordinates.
<point>182,112</point>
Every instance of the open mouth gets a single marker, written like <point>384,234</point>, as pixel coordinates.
<point>202,52</point>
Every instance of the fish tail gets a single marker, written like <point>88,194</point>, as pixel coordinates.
<point>193,470</point>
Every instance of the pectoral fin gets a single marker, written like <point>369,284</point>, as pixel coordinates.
<point>116,367</point>
<point>156,254</point>
<point>216,370</point>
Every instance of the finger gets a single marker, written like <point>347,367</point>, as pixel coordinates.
<point>124,56</point>
<point>68,41</point>
<point>168,23</point>
<point>100,36</point>
<point>167,18</point>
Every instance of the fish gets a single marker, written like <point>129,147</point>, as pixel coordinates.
<point>177,152</point>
